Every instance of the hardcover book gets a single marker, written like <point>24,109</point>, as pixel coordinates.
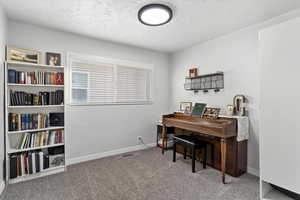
<point>13,166</point>
<point>12,76</point>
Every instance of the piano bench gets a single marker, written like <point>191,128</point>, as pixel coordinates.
<point>192,143</point>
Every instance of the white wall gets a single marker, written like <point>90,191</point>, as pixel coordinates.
<point>279,115</point>
<point>236,55</point>
<point>2,57</point>
<point>97,129</point>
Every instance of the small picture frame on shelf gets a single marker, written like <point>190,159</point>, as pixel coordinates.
<point>186,107</point>
<point>56,160</point>
<point>193,72</point>
<point>23,55</point>
<point>53,59</point>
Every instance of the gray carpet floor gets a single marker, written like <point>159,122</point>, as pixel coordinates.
<point>145,175</point>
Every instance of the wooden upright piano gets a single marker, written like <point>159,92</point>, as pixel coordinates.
<point>225,153</point>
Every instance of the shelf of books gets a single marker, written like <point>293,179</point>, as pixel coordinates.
<point>35,129</point>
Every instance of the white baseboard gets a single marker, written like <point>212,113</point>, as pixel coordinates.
<point>2,187</point>
<point>253,171</point>
<point>109,153</point>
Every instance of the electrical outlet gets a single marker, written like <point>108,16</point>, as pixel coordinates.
<point>139,139</point>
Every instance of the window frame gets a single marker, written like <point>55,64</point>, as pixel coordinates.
<point>91,59</point>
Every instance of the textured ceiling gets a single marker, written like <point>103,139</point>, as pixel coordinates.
<point>116,20</point>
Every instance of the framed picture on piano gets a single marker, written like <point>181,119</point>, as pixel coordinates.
<point>211,113</point>
<point>186,107</point>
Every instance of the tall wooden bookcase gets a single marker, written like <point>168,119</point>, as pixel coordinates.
<point>12,138</point>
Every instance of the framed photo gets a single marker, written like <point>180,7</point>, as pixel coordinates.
<point>53,59</point>
<point>23,55</point>
<point>193,72</point>
<point>211,113</point>
<point>56,160</point>
<point>186,106</point>
<point>229,110</point>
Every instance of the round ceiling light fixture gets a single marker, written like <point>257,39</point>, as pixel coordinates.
<point>155,14</point>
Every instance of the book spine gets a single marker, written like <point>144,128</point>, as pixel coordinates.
<point>13,166</point>
<point>12,76</point>
<point>22,165</point>
<point>41,157</point>
<point>37,162</point>
<point>30,162</point>
<point>14,121</point>
<point>46,161</point>
<point>26,163</point>
<point>33,163</point>
<point>22,78</point>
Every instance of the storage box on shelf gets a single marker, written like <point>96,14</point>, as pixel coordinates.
<point>34,92</point>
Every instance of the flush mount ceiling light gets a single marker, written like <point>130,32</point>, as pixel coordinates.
<point>155,14</point>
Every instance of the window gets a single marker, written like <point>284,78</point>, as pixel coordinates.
<point>104,81</point>
<point>133,84</point>
<point>79,87</point>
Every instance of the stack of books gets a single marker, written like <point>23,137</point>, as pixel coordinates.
<point>28,163</point>
<point>18,98</point>
<point>19,121</point>
<point>46,78</point>
<point>38,139</point>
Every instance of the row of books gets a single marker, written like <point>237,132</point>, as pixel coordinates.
<point>38,139</point>
<point>36,77</point>
<point>28,163</point>
<point>27,121</point>
<point>18,98</point>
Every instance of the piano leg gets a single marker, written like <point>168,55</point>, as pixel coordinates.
<point>163,135</point>
<point>223,158</point>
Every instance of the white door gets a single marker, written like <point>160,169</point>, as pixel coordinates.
<point>280,104</point>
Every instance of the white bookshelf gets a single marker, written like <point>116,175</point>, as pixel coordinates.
<point>12,137</point>
<point>36,130</point>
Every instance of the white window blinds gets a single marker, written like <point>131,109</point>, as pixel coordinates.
<point>109,83</point>
<point>133,84</point>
